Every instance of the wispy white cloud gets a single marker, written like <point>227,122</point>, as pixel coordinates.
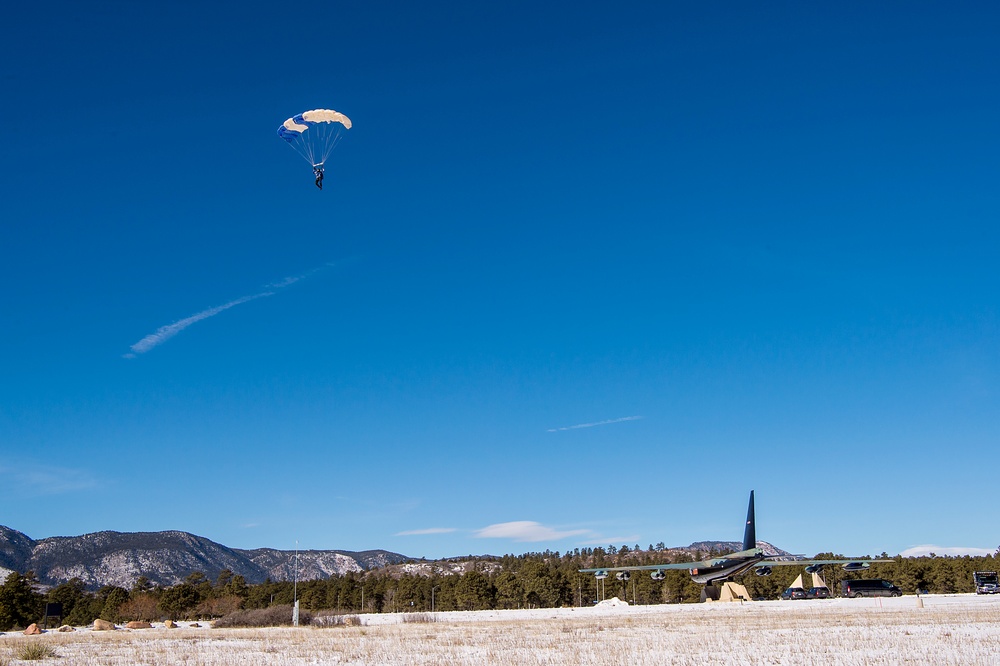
<point>595,423</point>
<point>429,530</point>
<point>525,530</point>
<point>164,333</point>
<point>919,551</point>
<point>45,480</point>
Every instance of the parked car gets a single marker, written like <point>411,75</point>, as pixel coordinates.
<point>873,587</point>
<point>818,593</point>
<point>794,593</point>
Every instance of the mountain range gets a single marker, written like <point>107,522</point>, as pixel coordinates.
<point>167,558</point>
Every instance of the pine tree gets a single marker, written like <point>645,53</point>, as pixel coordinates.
<point>20,605</point>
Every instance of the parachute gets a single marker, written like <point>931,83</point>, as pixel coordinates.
<point>314,134</point>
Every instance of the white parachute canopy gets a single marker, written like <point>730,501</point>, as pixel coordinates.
<point>314,134</point>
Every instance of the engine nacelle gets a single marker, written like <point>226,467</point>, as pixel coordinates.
<point>657,575</point>
<point>856,566</point>
<point>600,575</point>
<point>623,575</point>
<point>763,571</point>
<point>814,568</point>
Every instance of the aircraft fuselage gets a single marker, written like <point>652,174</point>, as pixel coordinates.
<point>722,570</point>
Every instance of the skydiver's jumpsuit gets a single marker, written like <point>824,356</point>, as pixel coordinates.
<point>319,178</point>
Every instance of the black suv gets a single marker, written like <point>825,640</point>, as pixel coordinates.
<point>874,587</point>
<point>794,593</point>
<point>818,593</point>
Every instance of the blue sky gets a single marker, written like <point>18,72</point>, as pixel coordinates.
<point>580,274</point>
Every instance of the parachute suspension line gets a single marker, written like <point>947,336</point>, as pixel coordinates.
<point>315,141</point>
<point>318,144</point>
<point>311,144</point>
<point>333,144</point>
<point>332,132</point>
<point>302,149</point>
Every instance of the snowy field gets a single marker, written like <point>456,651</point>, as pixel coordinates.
<point>948,629</point>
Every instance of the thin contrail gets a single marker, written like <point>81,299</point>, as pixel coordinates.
<point>596,423</point>
<point>164,333</point>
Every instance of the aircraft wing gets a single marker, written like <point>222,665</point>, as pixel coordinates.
<point>856,564</point>
<point>648,567</point>
<point>702,564</point>
<point>860,562</point>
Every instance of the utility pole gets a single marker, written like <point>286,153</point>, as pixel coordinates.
<point>295,588</point>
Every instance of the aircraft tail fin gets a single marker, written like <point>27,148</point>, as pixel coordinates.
<point>750,533</point>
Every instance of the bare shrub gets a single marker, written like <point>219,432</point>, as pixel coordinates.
<point>325,621</point>
<point>331,619</point>
<point>273,616</point>
<point>328,619</point>
<point>417,618</point>
<point>141,607</point>
<point>219,606</point>
<point>35,651</point>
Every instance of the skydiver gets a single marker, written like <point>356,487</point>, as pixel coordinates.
<point>318,172</point>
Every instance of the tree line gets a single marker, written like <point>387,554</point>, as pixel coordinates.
<point>533,580</point>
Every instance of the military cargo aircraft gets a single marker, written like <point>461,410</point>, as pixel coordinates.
<point>722,568</point>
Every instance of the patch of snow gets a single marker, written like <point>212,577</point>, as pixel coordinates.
<point>611,603</point>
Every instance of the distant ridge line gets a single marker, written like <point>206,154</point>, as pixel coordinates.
<point>167,558</point>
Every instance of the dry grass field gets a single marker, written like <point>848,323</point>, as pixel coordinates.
<point>962,629</point>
